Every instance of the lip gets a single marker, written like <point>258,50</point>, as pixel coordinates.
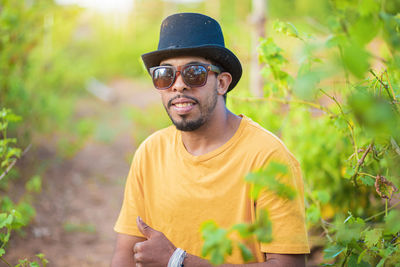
<point>182,104</point>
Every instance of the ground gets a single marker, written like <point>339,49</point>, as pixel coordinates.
<point>82,195</point>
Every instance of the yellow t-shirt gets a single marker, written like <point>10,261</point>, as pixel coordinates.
<point>175,192</point>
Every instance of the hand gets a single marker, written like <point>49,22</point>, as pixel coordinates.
<point>155,251</point>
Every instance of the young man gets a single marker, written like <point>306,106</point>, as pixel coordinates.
<point>194,171</point>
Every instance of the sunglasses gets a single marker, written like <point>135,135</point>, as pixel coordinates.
<point>193,75</point>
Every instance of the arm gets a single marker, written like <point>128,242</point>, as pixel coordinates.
<point>273,260</point>
<point>157,250</point>
<point>123,253</point>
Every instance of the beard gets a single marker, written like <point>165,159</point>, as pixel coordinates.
<point>186,124</point>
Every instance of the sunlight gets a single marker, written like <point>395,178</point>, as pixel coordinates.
<point>104,6</point>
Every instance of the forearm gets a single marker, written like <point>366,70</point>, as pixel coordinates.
<point>194,261</point>
<point>122,259</point>
<point>277,260</point>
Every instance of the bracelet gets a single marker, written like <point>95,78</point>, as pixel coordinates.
<point>177,258</point>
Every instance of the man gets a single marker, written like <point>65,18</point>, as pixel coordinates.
<point>194,171</point>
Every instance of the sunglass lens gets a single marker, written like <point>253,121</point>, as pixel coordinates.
<point>163,77</point>
<point>195,75</point>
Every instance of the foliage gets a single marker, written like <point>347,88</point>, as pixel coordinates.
<point>14,216</point>
<point>8,152</point>
<point>21,28</point>
<point>341,119</point>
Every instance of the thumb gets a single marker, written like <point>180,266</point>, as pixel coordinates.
<point>146,230</point>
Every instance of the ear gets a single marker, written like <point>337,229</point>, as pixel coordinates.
<point>224,79</point>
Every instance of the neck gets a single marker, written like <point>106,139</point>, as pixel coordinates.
<point>213,134</point>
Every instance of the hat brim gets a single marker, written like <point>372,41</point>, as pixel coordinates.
<point>219,54</point>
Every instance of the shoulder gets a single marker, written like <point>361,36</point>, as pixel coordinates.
<point>260,140</point>
<point>157,140</point>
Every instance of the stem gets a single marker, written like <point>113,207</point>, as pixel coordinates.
<point>361,161</point>
<point>346,257</point>
<point>367,174</point>
<point>382,212</point>
<point>326,230</point>
<point>392,97</point>
<point>390,85</point>
<point>349,125</point>
<point>1,258</point>
<point>13,163</point>
<point>386,207</point>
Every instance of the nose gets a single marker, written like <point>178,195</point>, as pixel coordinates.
<point>179,85</point>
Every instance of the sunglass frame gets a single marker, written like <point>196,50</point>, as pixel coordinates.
<point>180,69</point>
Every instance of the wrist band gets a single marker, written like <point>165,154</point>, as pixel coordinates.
<point>177,258</point>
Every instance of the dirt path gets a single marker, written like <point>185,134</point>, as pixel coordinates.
<point>82,196</point>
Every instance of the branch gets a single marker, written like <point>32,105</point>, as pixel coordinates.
<point>382,212</point>
<point>349,125</point>
<point>285,101</point>
<point>390,85</point>
<point>361,161</point>
<point>391,96</point>
<point>1,258</point>
<point>13,163</point>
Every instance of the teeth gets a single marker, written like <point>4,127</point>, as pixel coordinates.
<point>181,105</point>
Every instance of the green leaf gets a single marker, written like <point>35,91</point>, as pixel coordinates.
<point>360,257</point>
<point>322,195</point>
<point>267,179</point>
<point>367,7</point>
<point>333,251</point>
<point>14,152</point>
<point>11,117</point>
<point>6,220</point>
<point>263,227</point>
<point>313,213</point>
<point>391,29</point>
<point>369,181</point>
<point>356,59</point>
<point>372,237</point>
<point>381,263</point>
<point>243,229</point>
<point>353,262</point>
<point>350,231</point>
<point>34,184</point>
<point>286,28</point>
<point>305,85</point>
<point>246,252</point>
<point>216,243</point>
<point>364,30</point>
<point>375,114</point>
<point>2,252</point>
<point>392,220</point>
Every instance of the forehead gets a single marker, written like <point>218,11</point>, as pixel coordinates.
<point>178,61</point>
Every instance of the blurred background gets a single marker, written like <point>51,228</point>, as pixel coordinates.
<point>76,101</point>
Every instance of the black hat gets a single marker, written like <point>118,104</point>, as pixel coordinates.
<point>194,34</point>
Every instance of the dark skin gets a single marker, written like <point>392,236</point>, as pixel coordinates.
<point>221,124</point>
<point>155,250</point>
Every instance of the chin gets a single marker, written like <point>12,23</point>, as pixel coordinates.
<point>188,125</point>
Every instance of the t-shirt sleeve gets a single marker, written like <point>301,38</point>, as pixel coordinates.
<point>132,205</point>
<point>289,233</point>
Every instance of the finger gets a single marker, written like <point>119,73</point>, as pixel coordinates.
<point>138,257</point>
<point>137,247</point>
<point>146,230</point>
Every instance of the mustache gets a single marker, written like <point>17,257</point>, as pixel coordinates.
<point>181,96</point>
